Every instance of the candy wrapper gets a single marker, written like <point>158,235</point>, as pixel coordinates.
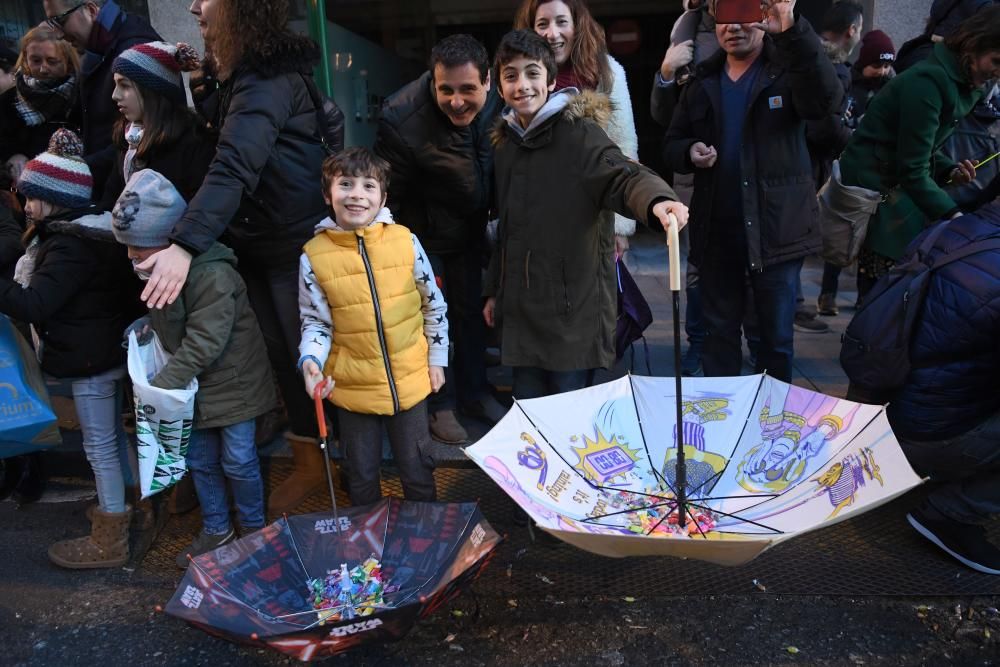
<point>345,594</point>
<point>657,522</point>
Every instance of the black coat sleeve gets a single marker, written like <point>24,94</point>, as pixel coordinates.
<point>11,247</point>
<point>680,136</point>
<point>257,112</point>
<point>393,148</point>
<point>54,283</point>
<point>816,89</point>
<point>663,101</point>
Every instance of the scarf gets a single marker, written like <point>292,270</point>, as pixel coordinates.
<point>102,35</point>
<point>133,135</point>
<point>566,78</point>
<point>42,100</point>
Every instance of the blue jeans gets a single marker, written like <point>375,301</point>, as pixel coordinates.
<point>964,472</point>
<point>724,278</point>
<point>531,382</point>
<point>217,454</point>
<point>98,402</point>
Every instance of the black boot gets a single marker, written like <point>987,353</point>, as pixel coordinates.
<point>31,484</point>
<point>10,473</point>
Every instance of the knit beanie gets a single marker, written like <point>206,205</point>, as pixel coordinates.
<point>157,66</point>
<point>59,175</point>
<point>147,210</point>
<point>876,48</point>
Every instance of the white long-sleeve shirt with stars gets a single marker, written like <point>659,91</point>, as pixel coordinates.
<point>317,321</point>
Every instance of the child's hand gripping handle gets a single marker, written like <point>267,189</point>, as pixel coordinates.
<point>320,414</point>
<point>674,254</point>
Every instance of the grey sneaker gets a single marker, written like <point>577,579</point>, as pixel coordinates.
<point>806,323</point>
<point>202,544</point>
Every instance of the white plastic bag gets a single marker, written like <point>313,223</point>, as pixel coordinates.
<point>163,417</point>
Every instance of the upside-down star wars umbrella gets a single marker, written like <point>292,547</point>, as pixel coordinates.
<point>257,590</point>
<point>764,461</point>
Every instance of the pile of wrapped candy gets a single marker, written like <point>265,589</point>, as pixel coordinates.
<point>345,594</point>
<point>651,521</point>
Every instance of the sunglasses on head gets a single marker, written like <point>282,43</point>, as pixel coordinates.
<point>59,20</point>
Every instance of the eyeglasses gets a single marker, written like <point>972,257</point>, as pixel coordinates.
<point>59,20</point>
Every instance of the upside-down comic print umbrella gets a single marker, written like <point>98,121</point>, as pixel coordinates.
<point>256,590</point>
<point>765,461</point>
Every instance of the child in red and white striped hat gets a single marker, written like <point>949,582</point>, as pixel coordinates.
<point>75,287</point>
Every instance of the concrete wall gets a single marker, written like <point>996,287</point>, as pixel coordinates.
<point>175,23</point>
<point>901,19</point>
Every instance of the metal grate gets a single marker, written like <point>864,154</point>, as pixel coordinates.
<point>876,554</point>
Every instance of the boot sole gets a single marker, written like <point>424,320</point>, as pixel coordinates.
<point>917,526</point>
<point>89,565</point>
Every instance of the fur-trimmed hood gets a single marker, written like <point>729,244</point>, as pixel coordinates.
<point>567,103</point>
<point>89,225</point>
<point>837,53</point>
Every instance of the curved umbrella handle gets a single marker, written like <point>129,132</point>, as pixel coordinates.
<point>674,254</point>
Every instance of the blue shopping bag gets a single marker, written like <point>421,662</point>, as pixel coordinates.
<point>27,422</point>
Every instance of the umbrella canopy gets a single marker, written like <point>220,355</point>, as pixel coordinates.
<point>765,461</point>
<point>256,590</point>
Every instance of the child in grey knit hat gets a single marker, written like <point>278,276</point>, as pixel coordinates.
<point>211,334</point>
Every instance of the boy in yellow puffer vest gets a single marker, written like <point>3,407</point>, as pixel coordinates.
<point>373,321</point>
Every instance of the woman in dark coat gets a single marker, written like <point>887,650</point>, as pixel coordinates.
<point>262,195</point>
<point>43,99</point>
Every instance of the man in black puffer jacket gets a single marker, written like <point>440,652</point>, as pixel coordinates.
<point>100,31</point>
<point>435,134</point>
<point>740,127</point>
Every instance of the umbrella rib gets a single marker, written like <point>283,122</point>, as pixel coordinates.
<point>553,448</point>
<point>642,434</point>
<point>295,547</point>
<point>232,597</point>
<point>737,516</point>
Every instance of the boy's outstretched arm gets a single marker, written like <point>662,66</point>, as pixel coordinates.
<point>316,324</point>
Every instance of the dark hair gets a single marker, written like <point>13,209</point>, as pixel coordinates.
<point>841,16</point>
<point>529,44</point>
<point>589,57</point>
<point>357,161</point>
<point>8,59</point>
<point>458,50</point>
<point>975,36</point>
<point>164,122</point>
<point>252,29</point>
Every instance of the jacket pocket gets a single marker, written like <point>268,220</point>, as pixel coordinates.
<point>789,213</point>
<point>218,376</point>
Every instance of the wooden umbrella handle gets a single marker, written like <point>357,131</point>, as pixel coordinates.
<point>674,254</point>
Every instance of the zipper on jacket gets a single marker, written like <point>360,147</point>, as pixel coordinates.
<point>527,275</point>
<point>378,323</point>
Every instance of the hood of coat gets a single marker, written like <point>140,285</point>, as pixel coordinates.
<point>567,103</point>
<point>293,53</point>
<point>836,52</point>
<point>217,252</point>
<point>328,223</point>
<point>83,223</point>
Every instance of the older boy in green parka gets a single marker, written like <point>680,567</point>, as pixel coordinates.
<point>551,284</point>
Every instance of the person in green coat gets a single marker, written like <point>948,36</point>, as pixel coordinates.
<point>896,149</point>
<point>211,334</point>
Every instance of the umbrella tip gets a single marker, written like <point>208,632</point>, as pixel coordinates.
<point>158,608</point>
<point>190,557</point>
<point>254,636</point>
<point>423,599</point>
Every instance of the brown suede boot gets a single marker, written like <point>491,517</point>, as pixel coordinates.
<point>106,546</point>
<point>308,476</point>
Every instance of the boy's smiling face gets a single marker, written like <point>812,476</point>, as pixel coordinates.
<point>355,200</point>
<point>525,87</point>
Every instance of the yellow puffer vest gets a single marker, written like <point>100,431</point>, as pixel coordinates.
<point>379,354</point>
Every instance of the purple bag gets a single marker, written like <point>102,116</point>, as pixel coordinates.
<point>634,315</point>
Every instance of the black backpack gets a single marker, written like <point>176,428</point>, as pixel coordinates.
<point>875,349</point>
<point>329,118</point>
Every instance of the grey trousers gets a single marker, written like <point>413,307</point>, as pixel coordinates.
<point>361,440</point>
<point>964,472</point>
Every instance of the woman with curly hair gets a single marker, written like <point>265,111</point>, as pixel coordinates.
<point>43,99</point>
<point>261,195</point>
<point>581,52</point>
<point>896,148</point>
